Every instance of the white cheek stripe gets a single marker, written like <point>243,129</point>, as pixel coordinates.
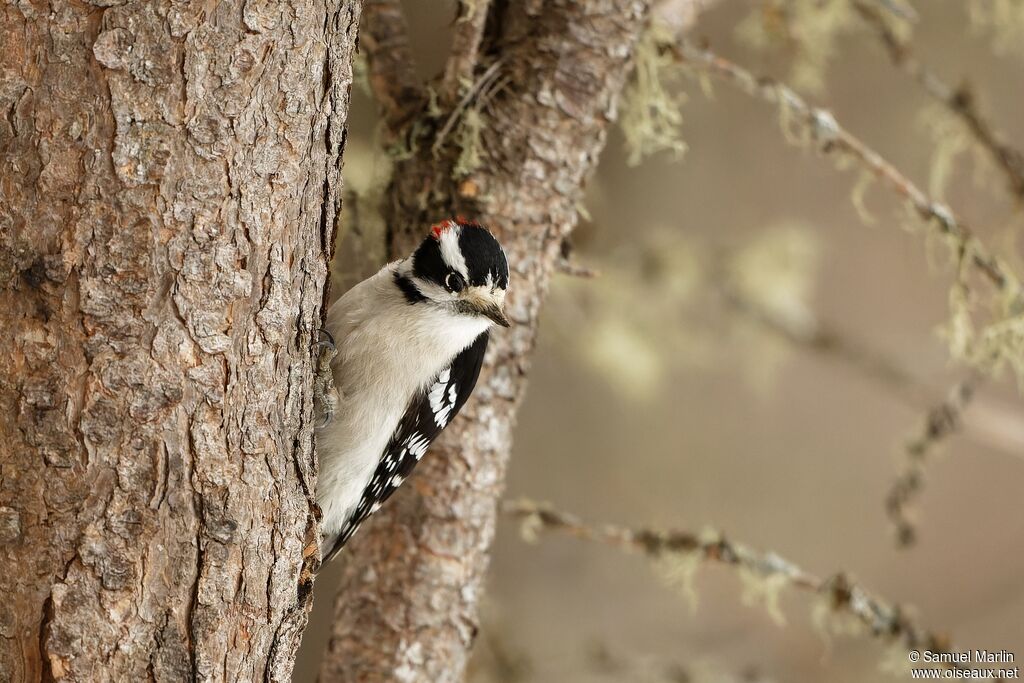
<point>450,251</point>
<point>433,291</point>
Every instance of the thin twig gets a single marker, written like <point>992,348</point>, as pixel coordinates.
<point>392,72</point>
<point>466,39</point>
<point>991,423</point>
<point>941,421</point>
<point>573,269</point>
<point>832,138</point>
<point>960,101</point>
<point>568,265</point>
<point>988,423</point>
<point>900,9</point>
<point>486,79</point>
<point>882,619</point>
<point>620,665</point>
<point>820,338</point>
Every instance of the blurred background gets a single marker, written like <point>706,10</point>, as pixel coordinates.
<point>664,395</point>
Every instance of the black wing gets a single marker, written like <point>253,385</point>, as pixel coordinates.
<point>429,412</point>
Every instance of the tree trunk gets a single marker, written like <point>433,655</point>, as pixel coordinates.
<point>407,605</point>
<point>168,190</point>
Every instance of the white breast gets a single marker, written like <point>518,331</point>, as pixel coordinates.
<point>388,350</point>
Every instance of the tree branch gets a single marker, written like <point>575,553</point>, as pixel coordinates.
<point>941,421</point>
<point>881,619</point>
<point>392,71</point>
<point>834,139</point>
<point>464,57</point>
<point>988,423</point>
<point>824,339</point>
<point>413,577</point>
<point>960,101</point>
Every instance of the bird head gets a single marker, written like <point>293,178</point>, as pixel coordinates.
<point>460,266</point>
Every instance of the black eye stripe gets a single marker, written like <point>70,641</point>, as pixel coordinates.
<point>454,282</point>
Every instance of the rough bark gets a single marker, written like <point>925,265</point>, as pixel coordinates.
<point>169,181</point>
<point>407,605</point>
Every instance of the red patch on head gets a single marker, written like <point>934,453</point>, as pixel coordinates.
<point>439,229</point>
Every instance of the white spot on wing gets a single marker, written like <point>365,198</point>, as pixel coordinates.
<point>417,445</point>
<point>439,406</point>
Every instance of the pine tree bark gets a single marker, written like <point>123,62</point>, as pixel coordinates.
<point>169,181</point>
<point>407,606</point>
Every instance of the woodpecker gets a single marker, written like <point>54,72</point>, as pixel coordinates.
<point>409,342</point>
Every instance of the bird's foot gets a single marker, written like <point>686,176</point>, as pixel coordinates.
<point>325,395</point>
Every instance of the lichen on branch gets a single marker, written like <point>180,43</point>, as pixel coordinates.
<point>986,331</point>
<point>841,607</point>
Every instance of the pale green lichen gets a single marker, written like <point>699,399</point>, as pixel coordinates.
<point>858,196</point>
<point>405,147</point>
<point>1003,19</point>
<point>360,242</point>
<point>999,344</point>
<point>949,141</point>
<point>650,112</point>
<point>434,110</point>
<point>806,30</point>
<point>986,332</point>
<point>626,356</point>
<point>761,590</point>
<point>530,528</point>
<point>828,622</point>
<point>894,660</point>
<point>983,335</point>
<point>678,571</point>
<point>583,211</point>
<point>638,332</point>
<point>653,317</point>
<point>775,274</point>
<point>470,8</point>
<point>468,133</point>
<point>361,74</point>
<point>776,271</point>
<point>794,129</point>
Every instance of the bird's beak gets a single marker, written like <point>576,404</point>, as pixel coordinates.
<point>486,302</point>
<point>483,302</point>
<point>494,312</point>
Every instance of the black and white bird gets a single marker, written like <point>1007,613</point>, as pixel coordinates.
<point>410,342</point>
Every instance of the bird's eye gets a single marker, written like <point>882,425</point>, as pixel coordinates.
<point>454,282</point>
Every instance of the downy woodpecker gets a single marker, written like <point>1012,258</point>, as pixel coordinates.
<point>410,341</point>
